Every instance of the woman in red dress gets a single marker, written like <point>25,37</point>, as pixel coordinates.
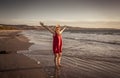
<point>57,42</point>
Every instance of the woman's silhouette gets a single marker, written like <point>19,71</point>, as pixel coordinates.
<point>57,43</point>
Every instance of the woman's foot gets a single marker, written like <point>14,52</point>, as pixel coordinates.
<point>57,67</point>
<point>60,65</point>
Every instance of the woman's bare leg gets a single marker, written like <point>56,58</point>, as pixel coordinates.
<point>59,59</point>
<point>56,60</point>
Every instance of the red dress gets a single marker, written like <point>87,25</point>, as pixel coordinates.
<point>57,43</point>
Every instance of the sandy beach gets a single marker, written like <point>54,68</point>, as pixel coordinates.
<point>26,60</point>
<point>86,54</point>
<point>13,65</point>
<point>59,38</point>
<point>12,41</point>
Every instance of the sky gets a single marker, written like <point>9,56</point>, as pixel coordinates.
<point>69,12</point>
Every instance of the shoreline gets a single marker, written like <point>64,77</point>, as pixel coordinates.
<point>13,64</point>
<point>86,57</point>
<point>12,41</point>
<point>85,63</point>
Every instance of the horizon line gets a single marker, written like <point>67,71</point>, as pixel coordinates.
<point>65,25</point>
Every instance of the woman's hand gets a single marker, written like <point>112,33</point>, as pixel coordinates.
<point>41,23</point>
<point>65,26</point>
<point>63,29</point>
<point>46,27</point>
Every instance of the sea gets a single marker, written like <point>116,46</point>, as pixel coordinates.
<point>86,51</point>
<point>98,43</point>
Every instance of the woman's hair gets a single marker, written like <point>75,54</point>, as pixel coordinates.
<point>57,26</point>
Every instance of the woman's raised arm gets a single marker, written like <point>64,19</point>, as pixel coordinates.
<point>63,29</point>
<point>46,27</point>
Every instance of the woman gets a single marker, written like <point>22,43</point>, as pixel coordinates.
<point>57,43</point>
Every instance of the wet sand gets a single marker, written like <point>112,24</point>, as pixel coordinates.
<point>84,55</point>
<point>23,64</point>
<point>12,41</point>
<point>78,67</point>
<point>13,65</point>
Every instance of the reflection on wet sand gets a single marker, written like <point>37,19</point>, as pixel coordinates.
<point>56,73</point>
<point>85,55</point>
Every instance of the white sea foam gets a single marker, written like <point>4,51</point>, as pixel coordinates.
<point>82,52</point>
<point>77,44</point>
